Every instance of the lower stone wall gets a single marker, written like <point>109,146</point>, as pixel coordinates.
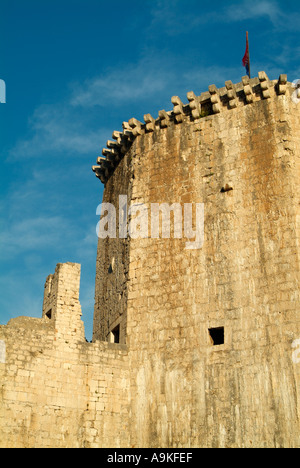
<point>60,393</point>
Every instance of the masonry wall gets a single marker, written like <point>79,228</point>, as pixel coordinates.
<point>57,390</point>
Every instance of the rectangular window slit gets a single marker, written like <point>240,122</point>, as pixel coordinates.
<point>217,336</point>
<point>49,314</point>
<point>115,335</point>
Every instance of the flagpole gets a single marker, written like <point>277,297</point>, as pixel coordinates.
<point>247,40</point>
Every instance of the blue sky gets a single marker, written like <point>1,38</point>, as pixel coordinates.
<point>74,71</point>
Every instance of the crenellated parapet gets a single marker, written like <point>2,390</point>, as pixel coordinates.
<point>214,101</point>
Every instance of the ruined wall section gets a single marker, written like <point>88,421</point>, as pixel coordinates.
<point>61,300</point>
<point>57,390</point>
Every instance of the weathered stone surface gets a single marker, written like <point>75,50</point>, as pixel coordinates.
<point>185,391</point>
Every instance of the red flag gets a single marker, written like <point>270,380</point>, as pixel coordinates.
<point>246,59</point>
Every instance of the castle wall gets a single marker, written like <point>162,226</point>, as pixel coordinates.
<point>57,390</point>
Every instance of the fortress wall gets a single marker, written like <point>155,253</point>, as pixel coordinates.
<point>57,390</point>
<point>185,391</point>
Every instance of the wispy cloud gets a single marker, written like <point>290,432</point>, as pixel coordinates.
<point>50,213</point>
<point>252,10</point>
<point>281,19</point>
<point>68,127</point>
<point>122,85</point>
<point>65,128</point>
<point>150,82</point>
<point>178,20</point>
<point>57,129</point>
<point>32,234</point>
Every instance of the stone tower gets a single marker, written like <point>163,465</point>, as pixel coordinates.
<point>196,340</point>
<point>210,331</point>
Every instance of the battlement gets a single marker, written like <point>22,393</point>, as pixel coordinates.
<point>214,101</point>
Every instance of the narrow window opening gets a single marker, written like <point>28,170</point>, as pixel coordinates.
<point>49,314</point>
<point>227,188</point>
<point>217,336</point>
<point>112,266</point>
<point>115,335</point>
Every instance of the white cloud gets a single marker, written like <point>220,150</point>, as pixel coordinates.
<point>121,85</point>
<point>177,19</point>
<point>67,128</point>
<point>32,234</point>
<point>57,128</point>
<point>252,10</point>
<point>46,214</point>
<point>271,10</point>
<point>150,83</point>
